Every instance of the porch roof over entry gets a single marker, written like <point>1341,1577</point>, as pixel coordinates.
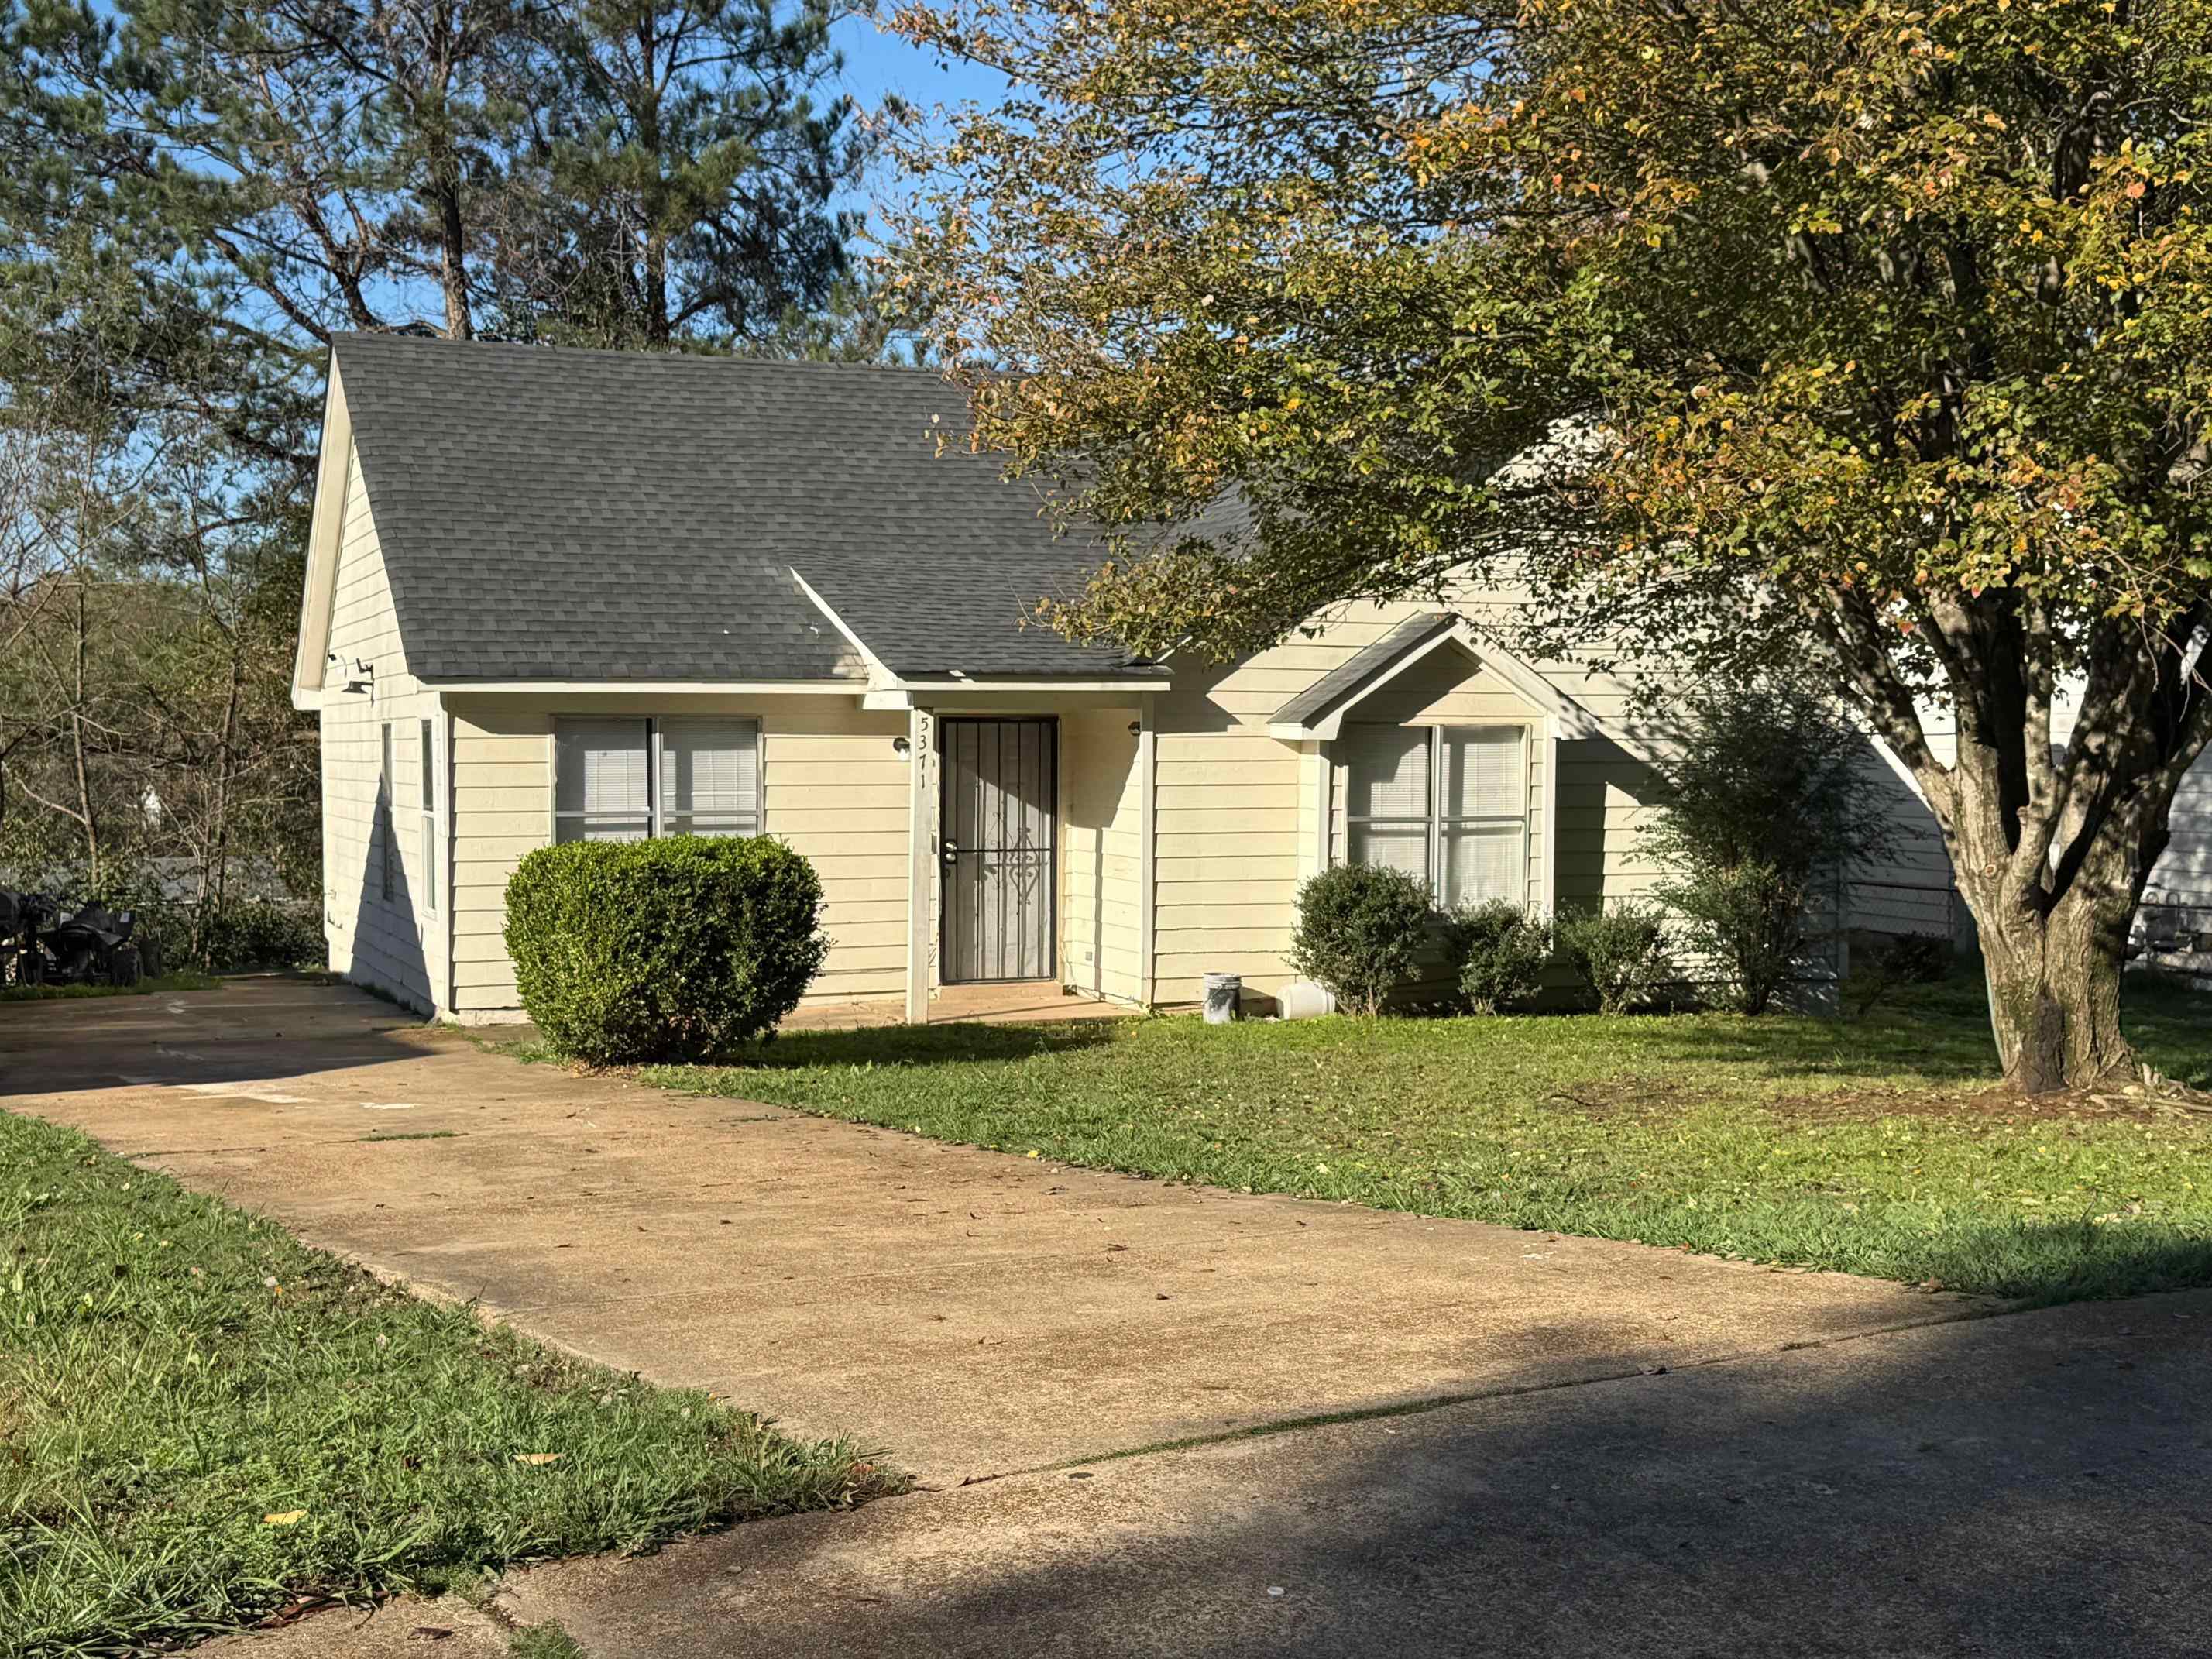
<point>619,518</point>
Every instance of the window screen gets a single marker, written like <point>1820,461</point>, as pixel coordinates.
<point>1387,797</point>
<point>625,780</point>
<point>709,777</point>
<point>1447,804</point>
<point>602,780</point>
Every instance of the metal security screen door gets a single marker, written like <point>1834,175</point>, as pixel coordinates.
<point>996,843</point>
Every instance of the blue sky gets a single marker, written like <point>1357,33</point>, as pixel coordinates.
<point>878,63</point>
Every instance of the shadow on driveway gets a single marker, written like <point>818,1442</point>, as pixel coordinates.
<point>2027,1485</point>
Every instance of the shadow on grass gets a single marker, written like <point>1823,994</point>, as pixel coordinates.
<point>950,1044</point>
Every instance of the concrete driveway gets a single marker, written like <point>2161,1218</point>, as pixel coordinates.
<point>1651,1453</point>
<point>966,1313</point>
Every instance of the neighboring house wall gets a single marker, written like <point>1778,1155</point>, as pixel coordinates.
<point>832,785</point>
<point>395,943</point>
<point>2183,875</point>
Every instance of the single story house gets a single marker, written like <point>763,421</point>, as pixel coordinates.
<point>562,593</point>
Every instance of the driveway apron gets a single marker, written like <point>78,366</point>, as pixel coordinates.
<point>966,1313</point>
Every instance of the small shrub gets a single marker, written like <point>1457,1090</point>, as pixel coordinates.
<point>1360,930</point>
<point>1747,920</point>
<point>1917,958</point>
<point>258,934</point>
<point>1498,950</point>
<point>1764,809</point>
<point>676,949</point>
<point>1621,954</point>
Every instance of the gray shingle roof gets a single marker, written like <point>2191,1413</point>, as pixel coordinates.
<point>577,515</point>
<point>1355,671</point>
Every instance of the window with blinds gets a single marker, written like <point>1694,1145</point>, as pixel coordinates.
<point>618,779</point>
<point>1447,804</point>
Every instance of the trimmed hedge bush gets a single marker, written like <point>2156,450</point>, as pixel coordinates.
<point>682,948</point>
<point>1620,954</point>
<point>1359,929</point>
<point>1499,951</point>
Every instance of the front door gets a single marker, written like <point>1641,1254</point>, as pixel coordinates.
<point>996,839</point>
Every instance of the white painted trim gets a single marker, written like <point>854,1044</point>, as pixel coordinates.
<point>1551,815</point>
<point>878,674</point>
<point>1526,680</point>
<point>1147,685</point>
<point>921,859</point>
<point>450,844</point>
<point>899,696</point>
<point>1895,762</point>
<point>326,531</point>
<point>1148,750</point>
<point>1317,852</point>
<point>657,687</point>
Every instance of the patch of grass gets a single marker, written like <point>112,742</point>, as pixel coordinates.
<point>201,1420</point>
<point>1869,1147</point>
<point>177,982</point>
<point>545,1641</point>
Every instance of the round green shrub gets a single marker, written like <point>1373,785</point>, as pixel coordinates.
<point>1499,951</point>
<point>1359,931</point>
<point>682,948</point>
<point>1620,954</point>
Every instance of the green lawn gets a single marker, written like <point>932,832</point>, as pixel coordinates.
<point>184,981</point>
<point>202,1420</point>
<point>1856,1145</point>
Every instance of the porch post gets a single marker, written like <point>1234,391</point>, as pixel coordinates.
<point>921,858</point>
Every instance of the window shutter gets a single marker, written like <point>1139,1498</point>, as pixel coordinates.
<point>602,780</point>
<point>710,777</point>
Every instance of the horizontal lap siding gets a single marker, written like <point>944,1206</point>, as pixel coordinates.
<point>1447,689</point>
<point>395,945</point>
<point>1100,930</point>
<point>833,788</point>
<point>2183,874</point>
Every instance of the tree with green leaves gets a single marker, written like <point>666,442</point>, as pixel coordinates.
<point>673,179</point>
<point>1869,328</point>
<point>195,195</point>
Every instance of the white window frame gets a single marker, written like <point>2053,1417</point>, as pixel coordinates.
<point>387,882</point>
<point>1437,823</point>
<point>428,786</point>
<point>656,827</point>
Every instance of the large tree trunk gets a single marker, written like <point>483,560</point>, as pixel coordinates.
<point>2055,930</point>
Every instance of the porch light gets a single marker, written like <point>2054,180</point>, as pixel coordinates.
<point>902,747</point>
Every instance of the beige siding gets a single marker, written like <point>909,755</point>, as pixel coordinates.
<point>1447,689</point>
<point>832,786</point>
<point>1237,820</point>
<point>396,945</point>
<point>1100,854</point>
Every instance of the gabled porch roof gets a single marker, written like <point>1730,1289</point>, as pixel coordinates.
<point>1318,712</point>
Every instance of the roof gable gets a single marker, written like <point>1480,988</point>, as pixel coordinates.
<point>551,515</point>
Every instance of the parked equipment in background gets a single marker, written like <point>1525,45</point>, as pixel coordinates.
<point>43,943</point>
